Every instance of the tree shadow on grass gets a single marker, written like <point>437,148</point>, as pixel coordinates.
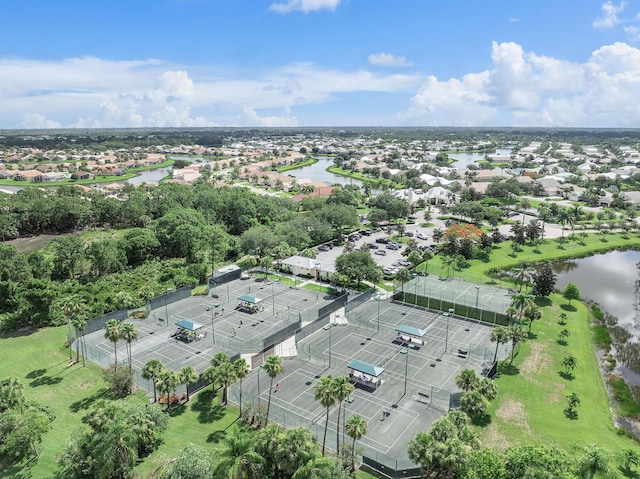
<point>36,373</point>
<point>573,415</point>
<point>543,302</point>
<point>565,375</point>
<point>504,368</point>
<point>626,472</point>
<point>45,381</point>
<point>85,403</point>
<point>19,470</point>
<point>216,437</point>
<point>569,307</point>
<point>208,410</point>
<point>177,410</point>
<point>481,421</point>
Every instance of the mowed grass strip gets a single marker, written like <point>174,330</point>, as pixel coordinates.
<point>532,391</point>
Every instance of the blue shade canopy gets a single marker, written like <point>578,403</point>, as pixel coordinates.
<point>365,368</point>
<point>188,325</point>
<point>247,298</point>
<point>410,330</point>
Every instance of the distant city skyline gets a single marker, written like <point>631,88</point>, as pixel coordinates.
<point>305,63</point>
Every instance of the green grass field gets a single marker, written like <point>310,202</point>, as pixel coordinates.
<point>532,391</point>
<point>41,361</point>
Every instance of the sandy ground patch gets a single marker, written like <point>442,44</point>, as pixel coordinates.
<point>537,361</point>
<point>513,412</point>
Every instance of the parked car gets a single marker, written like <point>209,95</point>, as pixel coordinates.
<point>373,246</point>
<point>381,252</point>
<point>366,232</point>
<point>422,236</point>
<point>382,240</point>
<point>409,234</point>
<point>393,246</point>
<point>323,247</point>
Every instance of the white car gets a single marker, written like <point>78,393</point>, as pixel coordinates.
<point>422,236</point>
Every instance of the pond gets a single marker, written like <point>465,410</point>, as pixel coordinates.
<point>318,172</point>
<point>612,280</point>
<point>465,159</point>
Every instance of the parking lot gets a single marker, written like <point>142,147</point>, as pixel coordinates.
<point>391,257</point>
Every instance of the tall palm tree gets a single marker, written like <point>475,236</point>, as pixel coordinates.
<point>532,313</point>
<point>272,366</point>
<point>525,204</point>
<point>241,368</point>
<point>188,376</point>
<point>79,323</point>
<point>342,389</point>
<point>129,333</point>
<point>576,215</point>
<point>499,336</point>
<point>402,276</point>
<point>112,333</point>
<point>520,301</point>
<point>151,370</point>
<point>226,377</point>
<point>544,214</point>
<point>467,380</point>
<point>516,335</point>
<point>564,217</point>
<point>168,382</point>
<point>324,392</point>
<point>211,375</point>
<point>72,306</point>
<point>356,427</point>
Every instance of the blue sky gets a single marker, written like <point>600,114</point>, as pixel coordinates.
<point>189,63</point>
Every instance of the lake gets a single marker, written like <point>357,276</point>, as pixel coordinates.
<point>611,280</point>
<point>318,172</point>
<point>465,159</point>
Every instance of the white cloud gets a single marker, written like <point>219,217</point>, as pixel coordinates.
<point>633,33</point>
<point>251,118</point>
<point>609,18</point>
<point>388,60</point>
<point>305,6</point>
<point>525,89</point>
<point>37,121</point>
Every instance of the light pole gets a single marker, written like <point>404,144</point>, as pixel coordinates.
<point>405,351</point>
<point>378,301</point>
<point>213,330</point>
<point>446,338</point>
<point>166,311</point>
<point>330,344</point>
<point>477,298</point>
<point>273,298</point>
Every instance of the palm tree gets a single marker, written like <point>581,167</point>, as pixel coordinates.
<point>112,333</point>
<point>499,336</point>
<point>532,313</point>
<point>593,460</point>
<point>272,366</point>
<point>151,370</point>
<point>129,333</point>
<point>520,301</point>
<point>563,335</point>
<point>240,460</point>
<point>448,261</point>
<point>487,387</point>
<point>402,276</point>
<point>569,363</point>
<point>356,427</point>
<point>427,255</point>
<point>467,380</point>
<point>564,217</point>
<point>525,204</point>
<point>544,214</point>
<point>79,322</point>
<point>226,377</point>
<point>342,389</point>
<point>241,368</point>
<point>72,306</point>
<point>211,375</point>
<point>323,392</point>
<point>576,214</point>
<point>516,335</point>
<point>168,382</point>
<point>188,376</point>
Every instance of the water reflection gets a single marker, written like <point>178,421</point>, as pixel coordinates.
<point>318,172</point>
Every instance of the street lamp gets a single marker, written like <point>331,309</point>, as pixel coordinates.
<point>166,311</point>
<point>378,301</point>
<point>477,297</point>
<point>405,351</point>
<point>446,338</point>
<point>213,330</point>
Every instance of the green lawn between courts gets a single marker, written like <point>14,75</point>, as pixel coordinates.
<point>41,362</point>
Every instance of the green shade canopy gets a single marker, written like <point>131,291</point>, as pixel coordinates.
<point>247,298</point>
<point>188,325</point>
<point>410,330</point>
<point>365,368</point>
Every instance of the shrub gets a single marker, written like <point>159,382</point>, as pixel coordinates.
<point>119,378</point>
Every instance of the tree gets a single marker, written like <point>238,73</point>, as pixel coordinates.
<point>324,392</point>
<point>11,393</point>
<point>167,383</point>
<point>68,253</point>
<point>563,318</point>
<point>119,378</point>
<point>573,401</point>
<point>537,461</point>
<point>630,459</point>
<point>532,313</point>
<point>487,387</point>
<point>403,276</point>
<point>525,204</point>
<point>241,368</point>
<point>272,366</point>
<point>544,281</point>
<point>356,427</point>
<point>473,403</point>
<point>569,363</point>
<point>342,389</point>
<point>239,459</point>
<point>499,336</point>
<point>128,333</point>
<point>112,333</point>
<point>22,428</point>
<point>192,462</point>
<point>151,370</point>
<point>592,461</point>
<point>516,335</point>
<point>72,306</point>
<point>563,334</point>
<point>571,292</point>
<point>188,376</point>
<point>79,322</point>
<point>226,377</point>
<point>467,380</point>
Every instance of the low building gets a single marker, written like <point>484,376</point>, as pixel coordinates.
<point>309,267</point>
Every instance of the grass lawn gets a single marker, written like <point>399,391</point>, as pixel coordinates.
<point>41,362</point>
<point>532,391</point>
